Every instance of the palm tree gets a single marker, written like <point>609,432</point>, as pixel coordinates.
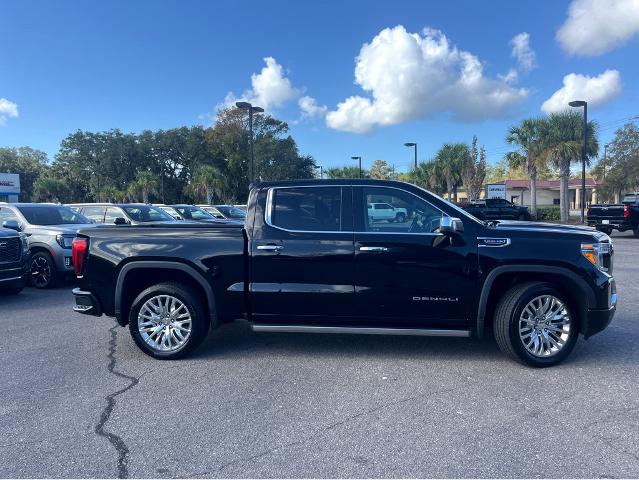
<point>562,139</point>
<point>451,159</point>
<point>208,179</point>
<point>429,176</point>
<point>144,183</point>
<point>526,137</point>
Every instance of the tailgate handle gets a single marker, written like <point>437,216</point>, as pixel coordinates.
<point>272,248</point>
<point>373,249</point>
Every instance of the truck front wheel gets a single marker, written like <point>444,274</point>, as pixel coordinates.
<point>167,321</point>
<point>535,324</point>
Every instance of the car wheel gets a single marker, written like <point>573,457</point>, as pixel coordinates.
<point>167,321</point>
<point>43,272</point>
<point>401,218</point>
<point>635,232</point>
<point>535,324</point>
<point>522,217</point>
<point>607,231</point>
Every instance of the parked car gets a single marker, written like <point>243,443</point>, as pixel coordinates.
<point>171,211</point>
<point>50,229</point>
<point>621,216</point>
<point>228,212</point>
<point>385,211</point>
<point>311,260</point>
<point>198,214</point>
<point>14,258</point>
<point>497,209</point>
<point>122,213</point>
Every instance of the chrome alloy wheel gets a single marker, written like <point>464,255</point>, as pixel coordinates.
<point>40,271</point>
<point>164,323</point>
<point>544,326</point>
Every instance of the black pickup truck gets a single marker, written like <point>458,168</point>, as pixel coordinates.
<point>622,216</point>
<point>496,209</point>
<point>310,260</point>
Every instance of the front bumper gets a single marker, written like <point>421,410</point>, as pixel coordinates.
<point>598,319</point>
<point>86,303</point>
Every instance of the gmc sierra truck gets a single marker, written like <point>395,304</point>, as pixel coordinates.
<point>309,259</point>
<point>622,216</point>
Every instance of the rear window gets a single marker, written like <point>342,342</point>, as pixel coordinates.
<point>307,209</point>
<point>51,215</point>
<point>629,199</point>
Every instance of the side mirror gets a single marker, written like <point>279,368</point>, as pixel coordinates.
<point>450,225</point>
<point>12,224</point>
<point>120,221</point>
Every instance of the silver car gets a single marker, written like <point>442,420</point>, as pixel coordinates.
<point>50,230</point>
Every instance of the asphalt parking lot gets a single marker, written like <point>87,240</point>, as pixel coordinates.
<point>80,400</point>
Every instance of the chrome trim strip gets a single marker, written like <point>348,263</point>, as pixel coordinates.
<point>10,279</point>
<point>508,242</point>
<point>424,332</point>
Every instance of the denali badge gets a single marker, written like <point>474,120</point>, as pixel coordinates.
<point>435,299</point>
<point>492,242</point>
<point>3,244</point>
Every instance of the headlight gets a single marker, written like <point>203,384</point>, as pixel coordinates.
<point>599,254</point>
<point>65,241</point>
<point>25,242</point>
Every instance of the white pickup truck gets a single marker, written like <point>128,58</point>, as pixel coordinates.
<point>385,211</point>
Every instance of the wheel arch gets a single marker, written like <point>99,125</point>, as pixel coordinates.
<point>145,273</point>
<point>501,278</point>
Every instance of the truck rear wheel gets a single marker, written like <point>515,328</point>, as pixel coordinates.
<point>635,232</point>
<point>167,321</point>
<point>535,324</point>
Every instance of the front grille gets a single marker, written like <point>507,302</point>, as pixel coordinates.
<point>10,249</point>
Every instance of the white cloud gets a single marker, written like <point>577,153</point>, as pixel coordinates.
<point>8,109</point>
<point>595,90</point>
<point>413,75</point>
<point>522,52</point>
<point>310,108</point>
<point>594,27</point>
<point>511,77</point>
<point>270,87</point>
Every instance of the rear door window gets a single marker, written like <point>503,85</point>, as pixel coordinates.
<point>94,213</point>
<point>311,209</point>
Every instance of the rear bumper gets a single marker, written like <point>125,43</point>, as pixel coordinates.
<point>86,303</point>
<point>615,223</point>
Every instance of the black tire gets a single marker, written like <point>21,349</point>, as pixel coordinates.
<point>401,218</point>
<point>607,231</point>
<point>199,320</point>
<point>635,232</point>
<point>506,324</point>
<point>523,217</point>
<point>43,271</point>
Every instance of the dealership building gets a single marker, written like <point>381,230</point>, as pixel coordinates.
<point>9,187</point>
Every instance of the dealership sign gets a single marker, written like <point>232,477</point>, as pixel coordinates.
<point>495,190</point>
<point>9,184</point>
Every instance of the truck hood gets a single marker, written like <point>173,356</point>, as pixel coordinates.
<point>532,228</point>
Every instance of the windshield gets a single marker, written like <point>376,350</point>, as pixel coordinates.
<point>463,212</point>
<point>232,212</point>
<point>147,213</point>
<point>173,212</point>
<point>194,213</point>
<point>51,215</point>
<point>213,211</point>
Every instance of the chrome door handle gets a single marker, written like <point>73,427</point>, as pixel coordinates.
<point>373,249</point>
<point>273,248</point>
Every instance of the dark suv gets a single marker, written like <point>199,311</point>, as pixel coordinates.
<point>497,209</point>
<point>14,259</point>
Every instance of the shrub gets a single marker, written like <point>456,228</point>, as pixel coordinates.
<point>546,214</point>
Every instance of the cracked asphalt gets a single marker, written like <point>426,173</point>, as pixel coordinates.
<point>80,400</point>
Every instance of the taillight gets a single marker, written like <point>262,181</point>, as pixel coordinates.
<point>78,254</point>
<point>626,210</point>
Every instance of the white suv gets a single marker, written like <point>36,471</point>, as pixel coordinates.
<point>385,211</point>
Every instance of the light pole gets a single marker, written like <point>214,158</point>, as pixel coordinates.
<point>360,165</point>
<point>412,144</point>
<point>582,103</point>
<point>251,109</point>
<point>605,160</point>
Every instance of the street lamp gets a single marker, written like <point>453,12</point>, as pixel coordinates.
<point>412,144</point>
<point>605,160</point>
<point>584,104</point>
<point>360,165</point>
<point>251,109</point>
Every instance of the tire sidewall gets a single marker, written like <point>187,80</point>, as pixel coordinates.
<point>401,218</point>
<point>198,321</point>
<point>513,330</point>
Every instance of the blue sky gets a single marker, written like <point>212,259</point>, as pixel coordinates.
<point>150,65</point>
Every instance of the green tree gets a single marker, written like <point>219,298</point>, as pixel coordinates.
<point>620,170</point>
<point>428,175</point>
<point>47,189</point>
<point>208,180</point>
<point>562,139</point>
<point>145,184</point>
<point>526,137</point>
<point>26,162</point>
<point>451,159</point>
<point>473,172</point>
<point>381,170</point>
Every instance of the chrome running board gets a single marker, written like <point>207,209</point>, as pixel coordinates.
<point>424,332</point>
